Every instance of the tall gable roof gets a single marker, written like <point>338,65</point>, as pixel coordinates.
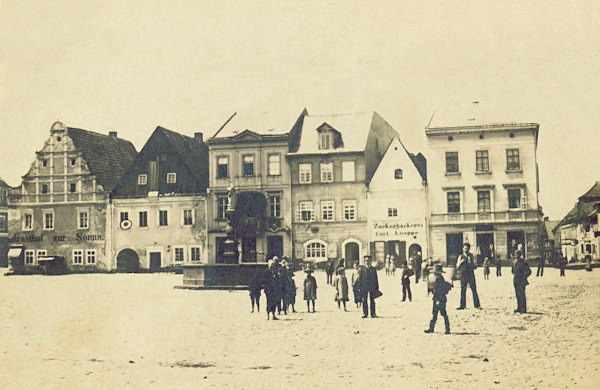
<point>107,157</point>
<point>353,128</point>
<point>592,194</point>
<point>192,151</point>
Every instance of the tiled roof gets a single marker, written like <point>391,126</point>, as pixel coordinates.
<point>592,194</point>
<point>107,157</point>
<point>550,226</point>
<point>353,127</point>
<point>193,152</point>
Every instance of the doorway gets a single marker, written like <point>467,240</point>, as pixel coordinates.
<point>155,261</point>
<point>454,243</point>
<point>352,254</point>
<point>128,261</point>
<point>485,247</point>
<point>249,249</point>
<point>413,249</point>
<point>274,247</point>
<point>514,241</point>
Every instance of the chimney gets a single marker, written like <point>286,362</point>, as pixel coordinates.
<point>199,136</point>
<point>474,110</point>
<point>112,134</point>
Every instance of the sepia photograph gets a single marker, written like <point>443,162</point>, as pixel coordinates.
<point>300,194</point>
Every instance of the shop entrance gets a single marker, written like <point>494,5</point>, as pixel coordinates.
<point>398,251</point>
<point>454,243</point>
<point>515,241</point>
<point>485,246</point>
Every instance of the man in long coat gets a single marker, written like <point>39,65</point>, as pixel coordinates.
<point>465,267</point>
<point>368,285</point>
<point>521,272</point>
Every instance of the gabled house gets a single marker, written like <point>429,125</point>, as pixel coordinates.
<point>330,174</point>
<point>397,205</point>
<point>4,190</point>
<point>60,208</point>
<point>158,208</point>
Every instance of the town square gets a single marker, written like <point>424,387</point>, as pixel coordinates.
<point>297,195</point>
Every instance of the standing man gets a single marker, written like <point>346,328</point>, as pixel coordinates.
<point>418,262</point>
<point>540,267</point>
<point>562,262</point>
<point>369,284</point>
<point>521,272</point>
<point>440,289</point>
<point>466,269</point>
<point>499,266</point>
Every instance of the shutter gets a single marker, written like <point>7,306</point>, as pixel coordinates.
<point>298,215</point>
<point>524,202</point>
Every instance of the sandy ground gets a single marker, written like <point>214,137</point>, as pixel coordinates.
<point>135,331</point>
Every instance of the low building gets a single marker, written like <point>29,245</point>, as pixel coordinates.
<point>60,208</point>
<point>579,231</point>
<point>158,208</point>
<point>397,205</point>
<point>330,174</point>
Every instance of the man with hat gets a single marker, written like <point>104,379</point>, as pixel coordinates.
<point>440,289</point>
<point>465,266</point>
<point>521,272</point>
<point>368,286</point>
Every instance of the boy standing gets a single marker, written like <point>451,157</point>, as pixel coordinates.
<point>440,290</point>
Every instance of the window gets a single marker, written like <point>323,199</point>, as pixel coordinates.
<point>326,172</point>
<point>348,171</point>
<point>482,163</point>
<point>315,251</point>
<point>325,141</point>
<point>274,161</point>
<point>398,174</point>
<point>248,165</point>
<point>3,227</point>
<point>453,202</point>
<point>77,256</point>
<point>327,211</point>
<point>163,218</point>
<point>221,206</point>
<point>29,257</point>
<point>83,219</point>
<point>73,161</point>
<point>349,210</point>
<point>514,198</point>
<point>306,212</point>
<point>195,252</point>
<point>143,216</point>
<point>451,162</point>
<point>48,220</point>
<point>90,256</point>
<point>483,201</point>
<point>392,212</point>
<point>178,254</point>
<point>171,178</point>
<point>3,195</point>
<point>142,179</point>
<point>188,217</point>
<point>222,166</point>
<point>44,163</point>
<point>73,187</point>
<point>44,188</point>
<point>28,220</point>
<point>124,216</point>
<point>305,173</point>
<point>275,205</point>
<point>41,253</point>
<point>513,161</point>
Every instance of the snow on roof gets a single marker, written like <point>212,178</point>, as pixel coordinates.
<point>262,123</point>
<point>462,115</point>
<point>354,128</point>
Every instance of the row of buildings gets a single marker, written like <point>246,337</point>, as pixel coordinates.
<point>311,187</point>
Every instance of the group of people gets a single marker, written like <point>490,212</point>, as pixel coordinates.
<point>279,286</point>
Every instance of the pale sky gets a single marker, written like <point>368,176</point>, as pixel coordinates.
<point>188,65</point>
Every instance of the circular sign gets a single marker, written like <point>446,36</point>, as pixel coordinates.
<point>125,224</point>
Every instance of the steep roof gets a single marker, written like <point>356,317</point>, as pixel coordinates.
<point>420,163</point>
<point>107,157</point>
<point>550,226</point>
<point>261,123</point>
<point>191,150</point>
<point>592,194</point>
<point>353,127</point>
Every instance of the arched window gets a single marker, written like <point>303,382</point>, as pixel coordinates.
<point>398,174</point>
<point>315,251</point>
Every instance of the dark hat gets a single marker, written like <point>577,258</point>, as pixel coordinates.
<point>467,245</point>
<point>437,269</point>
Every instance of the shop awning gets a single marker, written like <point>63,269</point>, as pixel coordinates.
<point>15,252</point>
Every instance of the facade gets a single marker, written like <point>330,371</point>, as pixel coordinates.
<point>578,231</point>
<point>330,174</point>
<point>60,208</point>
<point>483,189</point>
<point>158,208</point>
<point>248,167</point>
<point>4,190</point>
<point>397,205</point>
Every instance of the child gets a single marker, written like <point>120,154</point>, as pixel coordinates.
<point>440,289</point>
<point>406,274</point>
<point>290,292</point>
<point>355,287</point>
<point>341,286</point>
<point>310,289</point>
<point>254,288</point>
<point>486,268</point>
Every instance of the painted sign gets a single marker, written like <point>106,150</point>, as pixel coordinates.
<point>390,230</point>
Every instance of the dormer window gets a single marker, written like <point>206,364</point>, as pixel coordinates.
<point>329,138</point>
<point>325,141</point>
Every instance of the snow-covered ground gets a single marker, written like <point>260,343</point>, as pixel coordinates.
<point>136,331</point>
